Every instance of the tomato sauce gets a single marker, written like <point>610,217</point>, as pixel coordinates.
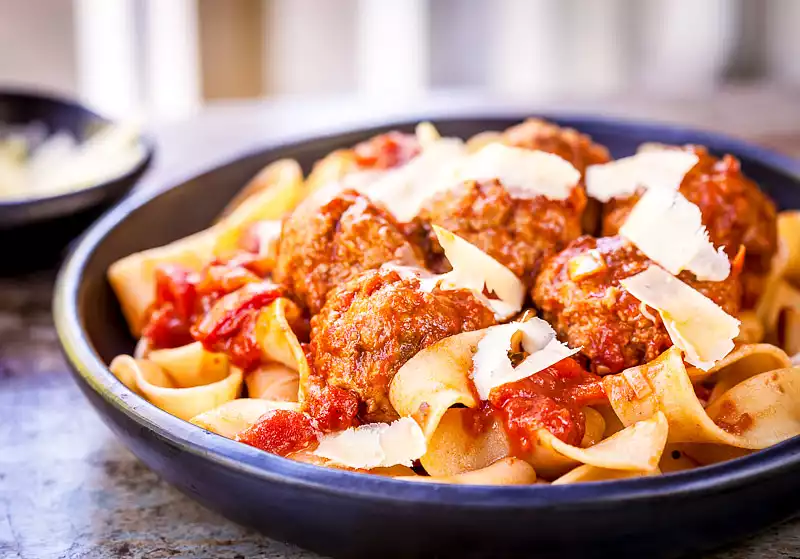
<point>386,151</point>
<point>333,408</point>
<point>216,306</point>
<point>551,399</point>
<point>281,432</point>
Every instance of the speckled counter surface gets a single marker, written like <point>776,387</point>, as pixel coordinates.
<point>69,489</point>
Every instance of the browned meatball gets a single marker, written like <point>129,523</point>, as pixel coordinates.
<point>735,212</point>
<point>515,229</point>
<point>588,308</point>
<point>386,151</point>
<point>567,143</point>
<point>323,246</point>
<point>373,324</point>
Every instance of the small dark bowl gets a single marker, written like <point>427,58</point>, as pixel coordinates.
<point>346,514</point>
<point>35,230</point>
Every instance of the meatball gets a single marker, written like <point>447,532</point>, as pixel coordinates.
<point>325,245</point>
<point>370,326</point>
<point>578,292</point>
<point>735,212</point>
<point>386,151</point>
<point>517,230</point>
<point>567,143</point>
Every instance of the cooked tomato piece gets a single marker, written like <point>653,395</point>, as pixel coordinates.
<point>386,150</point>
<point>333,408</point>
<point>281,432</point>
<point>229,326</point>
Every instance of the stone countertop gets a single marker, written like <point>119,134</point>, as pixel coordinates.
<point>69,489</point>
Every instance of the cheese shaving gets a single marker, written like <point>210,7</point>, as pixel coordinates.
<point>668,229</point>
<point>473,269</point>
<point>404,189</point>
<point>491,366</point>
<point>652,169</point>
<point>375,445</point>
<point>536,172</point>
<point>696,325</point>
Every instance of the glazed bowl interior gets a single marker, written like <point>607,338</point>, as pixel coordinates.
<point>93,331</point>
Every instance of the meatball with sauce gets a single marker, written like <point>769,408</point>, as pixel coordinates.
<point>579,294</point>
<point>386,151</point>
<point>735,212</point>
<point>567,143</point>
<point>370,326</point>
<point>323,246</point>
<point>513,227</point>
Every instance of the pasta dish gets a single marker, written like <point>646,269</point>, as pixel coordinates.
<point>515,308</point>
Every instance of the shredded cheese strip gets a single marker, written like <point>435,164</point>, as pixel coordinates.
<point>696,324</point>
<point>657,169</point>
<point>537,172</point>
<point>375,445</point>
<point>669,230</point>
<point>491,365</point>
<point>473,269</point>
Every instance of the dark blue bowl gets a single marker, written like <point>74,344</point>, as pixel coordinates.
<point>48,223</point>
<point>346,514</point>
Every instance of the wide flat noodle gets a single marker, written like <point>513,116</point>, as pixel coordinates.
<point>789,235</point>
<point>751,330</point>
<point>589,474</point>
<point>664,385</point>
<point>277,182</point>
<point>656,169</point>
<point>536,172</point>
<point>744,362</point>
<point>762,410</point>
<point>638,447</point>
<point>153,383</point>
<point>374,445</point>
<point>273,381</point>
<point>278,340</point>
<point>462,442</point>
<point>191,365</point>
<point>507,471</point>
<point>493,368</point>
<point>231,418</point>
<point>475,270</point>
<point>133,277</point>
<point>436,379</point>
<point>694,322</point>
<point>669,230</point>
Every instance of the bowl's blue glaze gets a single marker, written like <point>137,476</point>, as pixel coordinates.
<point>347,514</point>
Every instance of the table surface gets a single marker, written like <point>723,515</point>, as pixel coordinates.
<point>69,489</point>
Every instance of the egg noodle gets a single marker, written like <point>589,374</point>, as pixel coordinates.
<point>494,395</point>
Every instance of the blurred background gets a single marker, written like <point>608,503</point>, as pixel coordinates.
<point>210,78</point>
<point>165,59</point>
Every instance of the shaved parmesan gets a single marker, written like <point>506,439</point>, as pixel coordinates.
<point>473,269</point>
<point>537,172</point>
<point>375,445</point>
<point>491,366</point>
<point>404,189</point>
<point>696,325</point>
<point>668,229</point>
<point>651,169</point>
<point>267,234</point>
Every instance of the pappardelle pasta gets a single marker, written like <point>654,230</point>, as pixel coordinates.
<point>516,308</point>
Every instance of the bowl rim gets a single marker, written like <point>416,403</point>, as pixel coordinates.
<point>145,140</point>
<point>90,369</point>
